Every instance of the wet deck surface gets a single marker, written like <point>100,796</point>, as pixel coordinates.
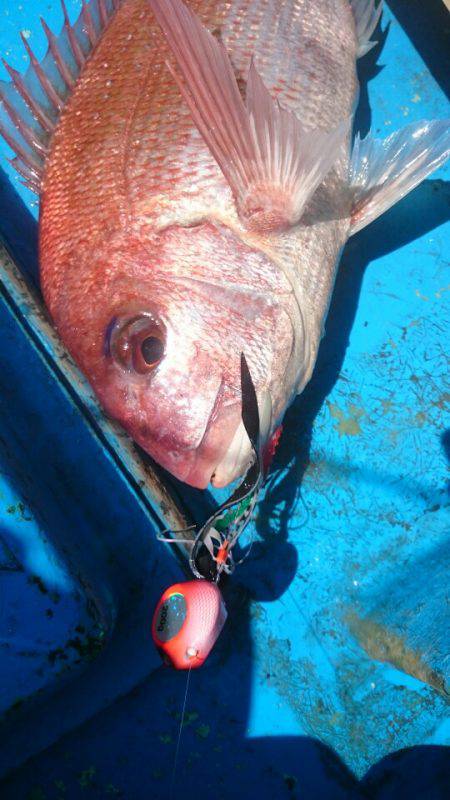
<point>332,677</point>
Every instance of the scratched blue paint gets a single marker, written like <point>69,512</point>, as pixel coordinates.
<point>69,594</point>
<point>48,614</point>
<point>331,678</point>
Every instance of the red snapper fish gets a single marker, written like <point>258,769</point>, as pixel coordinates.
<point>197,185</point>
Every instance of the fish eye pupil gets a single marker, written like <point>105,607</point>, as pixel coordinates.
<point>136,342</point>
<point>152,349</point>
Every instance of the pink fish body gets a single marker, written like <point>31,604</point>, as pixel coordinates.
<point>182,225</point>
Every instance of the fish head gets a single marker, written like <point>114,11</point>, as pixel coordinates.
<point>170,326</point>
<point>168,389</point>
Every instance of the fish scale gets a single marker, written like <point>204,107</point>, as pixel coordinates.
<point>180,221</point>
<point>145,129</point>
<point>327,72</point>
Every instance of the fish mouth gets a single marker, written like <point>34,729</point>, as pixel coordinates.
<point>237,460</point>
<point>198,464</point>
<point>221,454</point>
<point>225,451</point>
<point>189,458</point>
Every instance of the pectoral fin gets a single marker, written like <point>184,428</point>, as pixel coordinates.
<point>367,15</point>
<point>384,171</point>
<point>271,163</point>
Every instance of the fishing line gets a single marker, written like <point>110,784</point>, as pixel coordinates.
<point>177,750</point>
<point>191,614</point>
<point>168,535</point>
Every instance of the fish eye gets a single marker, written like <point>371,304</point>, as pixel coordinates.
<point>137,343</point>
<point>152,349</point>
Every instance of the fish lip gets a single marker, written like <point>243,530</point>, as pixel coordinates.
<point>199,473</point>
<point>195,472</point>
<point>214,412</point>
<point>187,463</point>
<point>236,460</point>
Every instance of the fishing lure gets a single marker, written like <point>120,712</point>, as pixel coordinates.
<point>190,616</point>
<point>187,622</point>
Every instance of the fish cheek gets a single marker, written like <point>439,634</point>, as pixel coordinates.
<point>119,393</point>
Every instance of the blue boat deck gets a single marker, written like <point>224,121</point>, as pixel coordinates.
<point>332,676</point>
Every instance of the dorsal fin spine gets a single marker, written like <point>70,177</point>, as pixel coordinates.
<point>28,134</point>
<point>63,69</point>
<point>77,51</point>
<point>29,173</point>
<point>103,13</point>
<point>44,120</point>
<point>31,104</point>
<point>25,155</point>
<point>89,23</point>
<point>55,99</point>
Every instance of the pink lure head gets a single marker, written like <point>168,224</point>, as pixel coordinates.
<point>187,622</point>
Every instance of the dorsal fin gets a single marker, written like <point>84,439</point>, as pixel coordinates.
<point>30,104</point>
